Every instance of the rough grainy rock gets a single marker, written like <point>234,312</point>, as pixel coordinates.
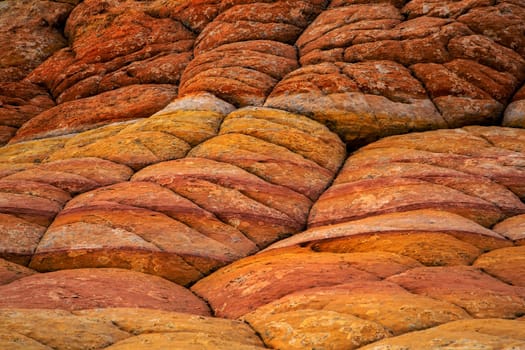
<point>360,101</point>
<point>466,54</point>
<point>99,288</point>
<point>299,134</point>
<point>29,32</point>
<point>114,45</point>
<point>252,282</point>
<point>369,310</point>
<point>309,329</point>
<point>141,226</point>
<point>163,136</point>
<point>428,236</point>
<point>102,328</point>
<point>513,228</point>
<point>75,175</point>
<point>10,271</point>
<point>481,295</point>
<point>467,175</point>
<point>31,151</point>
<point>515,112</point>
<point>202,101</point>
<point>240,73</point>
<point>32,201</point>
<point>506,264</point>
<point>278,147</point>
<point>464,334</point>
<point>130,102</point>
<point>262,211</point>
<point>19,238</point>
<point>19,102</point>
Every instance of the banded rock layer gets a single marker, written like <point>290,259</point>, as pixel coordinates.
<point>175,174</point>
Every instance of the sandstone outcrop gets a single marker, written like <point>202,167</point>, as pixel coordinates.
<point>121,328</point>
<point>250,174</point>
<point>98,288</point>
<point>30,33</point>
<point>19,102</point>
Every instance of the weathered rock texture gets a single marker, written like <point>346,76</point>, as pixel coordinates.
<point>469,174</point>
<point>165,161</point>
<point>98,288</point>
<point>121,328</point>
<point>366,65</point>
<point>30,33</point>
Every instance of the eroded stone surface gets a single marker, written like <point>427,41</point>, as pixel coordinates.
<point>81,289</point>
<point>121,327</point>
<point>467,334</point>
<point>30,33</point>
<point>131,102</point>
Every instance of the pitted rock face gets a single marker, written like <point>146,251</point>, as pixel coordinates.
<point>164,161</point>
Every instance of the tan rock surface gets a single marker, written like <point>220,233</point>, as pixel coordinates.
<point>513,228</point>
<point>382,309</point>
<point>506,264</point>
<point>120,327</point>
<point>468,334</point>
<point>353,99</point>
<point>515,112</point>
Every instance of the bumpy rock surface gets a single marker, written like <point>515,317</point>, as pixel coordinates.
<point>165,161</point>
<point>30,33</point>
<point>121,328</point>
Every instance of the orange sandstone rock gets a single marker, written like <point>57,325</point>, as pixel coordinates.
<point>30,33</point>
<point>131,102</point>
<point>99,288</point>
<point>141,226</point>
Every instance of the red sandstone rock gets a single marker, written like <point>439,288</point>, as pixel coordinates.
<point>75,175</point>
<point>112,46</point>
<point>240,73</point>
<point>141,226</point>
<point>99,288</point>
<point>467,175</point>
<point>10,271</point>
<point>252,282</point>
<point>132,102</point>
<point>19,238</point>
<point>515,112</point>
<point>262,211</point>
<point>481,295</point>
<point>428,236</point>
<point>32,201</point>
<point>360,101</point>
<point>29,32</point>
<point>19,102</point>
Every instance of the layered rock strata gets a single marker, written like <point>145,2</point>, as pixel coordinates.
<point>169,161</point>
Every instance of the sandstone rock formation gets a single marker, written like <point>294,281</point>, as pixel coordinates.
<point>250,174</point>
